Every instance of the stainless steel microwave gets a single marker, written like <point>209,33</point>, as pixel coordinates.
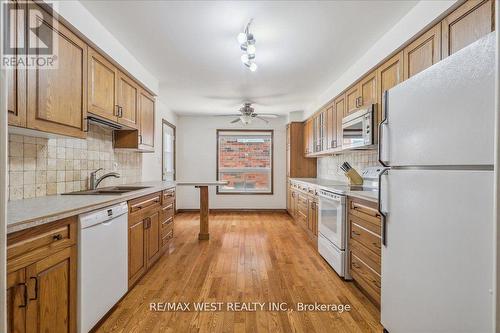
<point>357,128</point>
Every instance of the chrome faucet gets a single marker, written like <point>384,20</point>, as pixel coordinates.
<point>94,182</point>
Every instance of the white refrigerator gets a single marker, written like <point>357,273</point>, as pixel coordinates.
<point>437,139</point>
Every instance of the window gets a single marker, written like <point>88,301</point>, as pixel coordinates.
<point>168,151</point>
<point>245,161</point>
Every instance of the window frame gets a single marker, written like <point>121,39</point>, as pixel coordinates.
<point>271,131</point>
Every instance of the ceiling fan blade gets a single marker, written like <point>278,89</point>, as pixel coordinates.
<point>235,121</point>
<point>267,115</point>
<point>227,115</point>
<point>265,120</point>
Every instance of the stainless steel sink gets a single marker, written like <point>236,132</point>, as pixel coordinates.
<point>109,190</point>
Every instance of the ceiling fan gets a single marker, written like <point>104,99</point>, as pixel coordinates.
<point>248,114</point>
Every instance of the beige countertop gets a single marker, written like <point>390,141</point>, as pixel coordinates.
<point>27,213</point>
<point>340,187</point>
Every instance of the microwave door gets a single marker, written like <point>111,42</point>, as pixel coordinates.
<point>352,133</point>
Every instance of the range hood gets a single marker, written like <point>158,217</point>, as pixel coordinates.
<point>106,123</point>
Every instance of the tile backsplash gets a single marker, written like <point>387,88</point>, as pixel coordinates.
<point>47,166</point>
<point>329,166</point>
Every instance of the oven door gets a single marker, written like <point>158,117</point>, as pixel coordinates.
<point>331,222</point>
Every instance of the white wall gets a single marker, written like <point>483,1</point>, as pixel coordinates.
<point>196,161</point>
<point>416,20</point>
<point>78,16</point>
<point>152,162</point>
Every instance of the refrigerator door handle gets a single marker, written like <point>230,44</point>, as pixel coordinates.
<point>380,126</point>
<point>383,216</point>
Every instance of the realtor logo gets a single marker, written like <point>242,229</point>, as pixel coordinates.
<point>29,36</point>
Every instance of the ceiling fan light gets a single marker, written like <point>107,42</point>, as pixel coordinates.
<point>244,58</point>
<point>253,67</point>
<point>251,49</point>
<point>246,120</point>
<point>242,38</point>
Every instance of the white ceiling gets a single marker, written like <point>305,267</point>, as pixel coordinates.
<point>191,47</point>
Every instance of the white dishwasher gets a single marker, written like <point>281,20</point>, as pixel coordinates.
<point>102,263</point>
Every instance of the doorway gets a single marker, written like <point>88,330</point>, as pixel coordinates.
<point>168,151</point>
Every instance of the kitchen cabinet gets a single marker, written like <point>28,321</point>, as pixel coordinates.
<point>304,208</point>
<point>42,278</point>
<point>389,74</point>
<point>466,24</point>
<point>57,98</point>
<point>16,81</point>
<point>150,231</point>
<point>141,139</point>
<point>362,93</point>
<point>365,246</point>
<point>423,52</point>
<point>331,140</point>
<point>339,109</point>
<point>102,83</point>
<point>309,137</point>
<point>297,165</point>
<point>319,131</point>
<point>128,101</point>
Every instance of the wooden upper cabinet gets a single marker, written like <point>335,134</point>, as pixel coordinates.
<point>339,107</point>
<point>331,127</point>
<point>368,89</point>
<point>57,98</point>
<point>128,101</point>
<point>389,74</point>
<point>102,79</point>
<point>16,81</point>
<point>423,52</point>
<point>147,120</point>
<point>362,93</point>
<point>306,137</point>
<point>468,23</point>
<point>52,286</point>
<point>352,99</point>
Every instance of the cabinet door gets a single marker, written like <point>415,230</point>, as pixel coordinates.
<point>52,293</point>
<point>331,127</point>
<point>57,98</point>
<point>312,217</point>
<point>352,99</point>
<point>422,53</point>
<point>389,74</point>
<point>368,89</point>
<point>147,120</point>
<point>306,137</point>
<point>339,107</point>
<point>128,101</point>
<point>468,23</point>
<point>102,79</point>
<point>311,136</point>
<point>137,262</point>
<point>16,302</point>
<point>154,238</point>
<point>16,80</point>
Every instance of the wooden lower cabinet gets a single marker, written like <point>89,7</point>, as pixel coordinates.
<point>42,278</point>
<point>304,208</point>
<point>151,229</point>
<point>364,261</point>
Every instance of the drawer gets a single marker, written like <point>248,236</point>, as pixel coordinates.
<point>370,258</point>
<point>167,238</point>
<point>27,246</point>
<point>167,222</point>
<point>167,196</point>
<point>166,226</point>
<point>366,238</point>
<point>365,277</point>
<point>364,211</point>
<point>167,211</point>
<point>144,203</point>
<point>376,229</point>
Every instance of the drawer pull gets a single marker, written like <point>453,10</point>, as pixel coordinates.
<point>57,237</point>
<point>168,221</point>
<point>25,295</point>
<point>356,233</point>
<point>377,245</point>
<point>36,288</point>
<point>355,265</point>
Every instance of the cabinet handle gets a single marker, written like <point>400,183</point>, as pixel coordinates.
<point>355,265</point>
<point>57,237</point>
<point>36,288</point>
<point>377,245</point>
<point>356,233</point>
<point>121,112</point>
<point>116,112</point>
<point>25,294</point>
<point>140,138</point>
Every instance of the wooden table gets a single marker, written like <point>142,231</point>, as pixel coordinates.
<point>204,210</point>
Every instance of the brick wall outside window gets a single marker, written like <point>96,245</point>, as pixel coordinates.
<point>245,161</point>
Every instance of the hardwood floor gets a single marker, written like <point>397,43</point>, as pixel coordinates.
<point>251,257</point>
